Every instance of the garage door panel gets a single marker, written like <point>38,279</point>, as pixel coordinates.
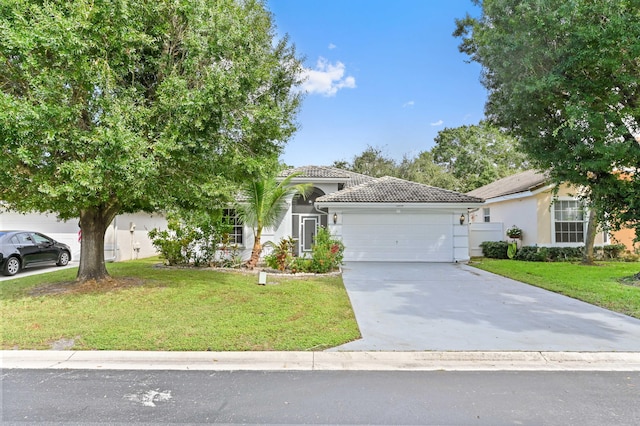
<point>396,237</point>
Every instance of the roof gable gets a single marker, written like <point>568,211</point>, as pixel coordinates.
<point>394,190</point>
<point>520,182</point>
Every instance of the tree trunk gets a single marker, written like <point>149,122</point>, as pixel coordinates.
<point>255,253</point>
<point>592,228</point>
<point>93,224</point>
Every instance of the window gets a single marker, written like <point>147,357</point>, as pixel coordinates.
<point>230,216</point>
<point>486,214</point>
<point>569,221</point>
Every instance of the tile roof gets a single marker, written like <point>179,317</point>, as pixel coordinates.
<point>513,184</point>
<point>393,190</point>
<point>325,172</point>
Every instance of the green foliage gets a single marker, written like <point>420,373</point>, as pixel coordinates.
<point>514,232</point>
<point>265,201</point>
<point>122,106</point>
<point>423,169</point>
<point>463,159</point>
<point>326,253</point>
<point>531,254</point>
<point>563,78</point>
<point>494,249</point>
<point>477,155</point>
<point>504,250</point>
<point>282,255</point>
<point>200,240</point>
<point>372,162</point>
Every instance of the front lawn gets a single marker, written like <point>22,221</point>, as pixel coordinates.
<point>147,307</point>
<point>607,284</point>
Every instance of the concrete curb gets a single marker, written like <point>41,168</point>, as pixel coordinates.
<point>322,361</point>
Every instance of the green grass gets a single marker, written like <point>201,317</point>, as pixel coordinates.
<point>176,309</point>
<point>602,284</point>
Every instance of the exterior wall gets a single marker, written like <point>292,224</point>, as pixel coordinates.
<point>626,237</point>
<point>127,237</point>
<point>533,214</point>
<point>520,212</point>
<point>121,241</point>
<point>283,229</point>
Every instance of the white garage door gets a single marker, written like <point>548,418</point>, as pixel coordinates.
<point>398,237</point>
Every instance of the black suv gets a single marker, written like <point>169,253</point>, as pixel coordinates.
<point>19,249</point>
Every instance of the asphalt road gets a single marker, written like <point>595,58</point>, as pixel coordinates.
<point>319,397</point>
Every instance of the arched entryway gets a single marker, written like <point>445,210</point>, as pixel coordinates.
<point>306,220</point>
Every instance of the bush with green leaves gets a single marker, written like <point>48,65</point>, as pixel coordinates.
<point>196,239</point>
<point>326,253</point>
<point>500,250</point>
<point>494,249</point>
<point>282,255</point>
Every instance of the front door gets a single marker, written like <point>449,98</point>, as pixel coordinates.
<point>309,227</point>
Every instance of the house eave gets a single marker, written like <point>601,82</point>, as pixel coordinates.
<point>397,205</point>
<point>519,195</point>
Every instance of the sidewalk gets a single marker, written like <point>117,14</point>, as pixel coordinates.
<point>322,361</point>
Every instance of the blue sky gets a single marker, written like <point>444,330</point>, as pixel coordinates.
<point>382,73</point>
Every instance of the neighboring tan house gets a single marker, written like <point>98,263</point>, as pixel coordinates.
<point>527,200</point>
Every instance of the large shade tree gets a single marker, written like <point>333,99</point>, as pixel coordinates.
<point>110,106</point>
<point>565,78</point>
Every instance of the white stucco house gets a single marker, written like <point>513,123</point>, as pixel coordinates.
<point>378,219</point>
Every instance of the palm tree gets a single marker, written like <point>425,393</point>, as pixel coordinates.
<point>263,204</point>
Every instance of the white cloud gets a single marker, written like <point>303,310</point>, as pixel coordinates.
<point>332,46</point>
<point>408,104</point>
<point>437,123</point>
<point>327,78</point>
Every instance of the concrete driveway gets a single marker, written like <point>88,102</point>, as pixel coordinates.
<point>453,307</point>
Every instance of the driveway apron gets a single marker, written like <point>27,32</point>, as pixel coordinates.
<point>454,307</point>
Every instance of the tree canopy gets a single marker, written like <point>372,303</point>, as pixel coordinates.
<point>462,159</point>
<point>477,155</point>
<point>564,77</point>
<point>124,105</point>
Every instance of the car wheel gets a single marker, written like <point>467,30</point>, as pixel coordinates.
<point>12,266</point>
<point>63,260</point>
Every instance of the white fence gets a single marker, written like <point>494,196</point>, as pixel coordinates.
<point>484,231</point>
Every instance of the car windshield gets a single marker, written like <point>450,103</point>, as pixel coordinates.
<point>3,233</point>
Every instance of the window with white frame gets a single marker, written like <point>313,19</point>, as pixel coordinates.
<point>230,216</point>
<point>486,214</point>
<point>569,221</point>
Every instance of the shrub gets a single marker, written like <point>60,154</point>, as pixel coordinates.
<point>532,254</point>
<point>282,255</point>
<point>195,239</point>
<point>326,253</point>
<point>613,251</point>
<point>494,249</point>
